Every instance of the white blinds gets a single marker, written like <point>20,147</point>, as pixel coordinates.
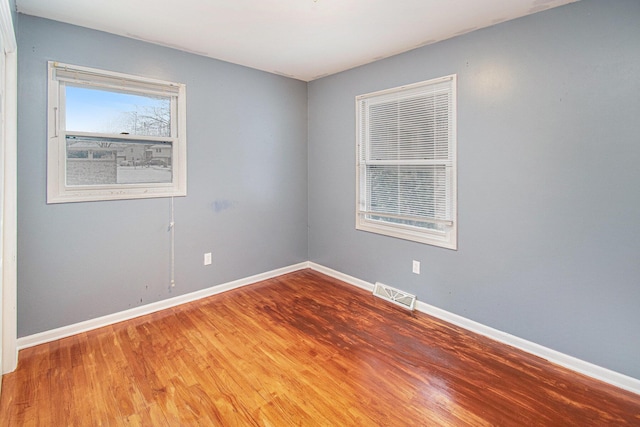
<point>406,154</point>
<point>116,81</point>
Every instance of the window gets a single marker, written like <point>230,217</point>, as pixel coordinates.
<point>406,162</point>
<point>114,136</point>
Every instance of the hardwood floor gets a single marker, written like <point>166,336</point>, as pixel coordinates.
<point>300,349</point>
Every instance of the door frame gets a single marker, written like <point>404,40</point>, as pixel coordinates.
<point>8,191</point>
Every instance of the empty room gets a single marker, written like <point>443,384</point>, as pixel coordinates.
<point>320,212</point>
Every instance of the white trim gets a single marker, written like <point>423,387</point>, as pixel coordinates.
<point>7,31</point>
<point>594,371</point>
<point>8,287</point>
<point>110,319</point>
<point>341,276</point>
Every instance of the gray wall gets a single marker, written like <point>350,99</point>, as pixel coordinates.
<point>548,180</point>
<point>247,185</point>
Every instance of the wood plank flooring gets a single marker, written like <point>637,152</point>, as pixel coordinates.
<point>301,349</point>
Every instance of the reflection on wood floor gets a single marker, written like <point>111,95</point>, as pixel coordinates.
<point>300,349</point>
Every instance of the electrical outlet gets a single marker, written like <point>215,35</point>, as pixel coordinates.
<point>416,266</point>
<point>207,258</point>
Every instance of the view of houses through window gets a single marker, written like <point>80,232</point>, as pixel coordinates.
<point>132,157</point>
<point>95,162</point>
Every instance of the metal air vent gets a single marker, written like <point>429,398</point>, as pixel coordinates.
<point>395,296</point>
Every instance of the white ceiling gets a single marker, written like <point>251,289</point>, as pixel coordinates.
<point>303,39</point>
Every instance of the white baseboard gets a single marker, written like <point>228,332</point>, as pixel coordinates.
<point>614,378</point>
<point>341,276</point>
<point>110,319</point>
<point>594,371</point>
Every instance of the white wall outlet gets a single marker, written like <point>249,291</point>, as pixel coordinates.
<point>207,258</point>
<point>416,266</point>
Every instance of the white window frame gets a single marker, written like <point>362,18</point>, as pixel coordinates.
<point>415,228</point>
<point>62,74</point>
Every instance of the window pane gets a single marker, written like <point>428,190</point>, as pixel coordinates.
<point>104,161</point>
<point>412,191</point>
<point>103,111</point>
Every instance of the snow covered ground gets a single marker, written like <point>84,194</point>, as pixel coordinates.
<point>143,174</point>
